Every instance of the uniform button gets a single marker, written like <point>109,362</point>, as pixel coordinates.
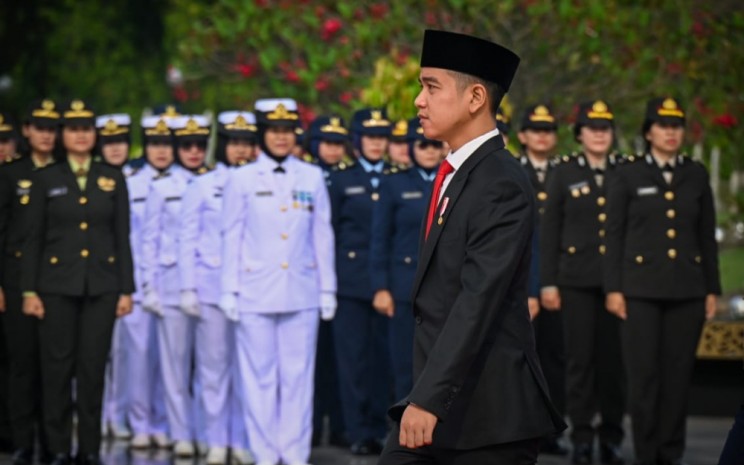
<point>572,250</point>
<point>375,196</point>
<point>602,249</point>
<point>639,259</point>
<point>285,265</point>
<point>83,226</point>
<point>601,201</point>
<point>671,233</point>
<point>669,195</point>
<point>602,217</point>
<point>672,253</point>
<point>418,319</point>
<point>352,255</point>
<point>111,259</point>
<point>84,253</point>
<point>542,196</point>
<point>284,236</point>
<point>53,260</point>
<point>283,208</point>
<point>24,200</point>
<point>602,233</point>
<point>407,260</point>
<point>83,200</point>
<point>542,210</point>
<point>698,259</point>
<point>18,254</point>
<point>671,213</point>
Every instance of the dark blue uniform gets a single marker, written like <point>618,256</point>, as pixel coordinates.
<point>396,227</point>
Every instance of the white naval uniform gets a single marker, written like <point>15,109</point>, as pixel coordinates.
<point>278,256</point>
<point>175,329</point>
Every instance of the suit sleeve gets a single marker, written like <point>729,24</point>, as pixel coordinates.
<point>550,231</point>
<point>323,238</point>
<point>121,229</point>
<point>382,233</point>
<point>618,197</point>
<point>34,243</point>
<point>233,211</point>
<point>190,225</point>
<point>533,284</point>
<point>6,197</point>
<point>499,231</point>
<point>154,207</point>
<point>707,235</point>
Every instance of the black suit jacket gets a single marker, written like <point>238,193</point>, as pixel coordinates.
<point>661,237</point>
<point>15,195</point>
<point>78,242</point>
<point>475,365</point>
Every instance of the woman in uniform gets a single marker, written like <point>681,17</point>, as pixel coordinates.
<point>572,241</point>
<point>396,227</point>
<point>161,281</point>
<point>77,278</point>
<point>661,277</point>
<point>277,273</point>
<point>200,263</point>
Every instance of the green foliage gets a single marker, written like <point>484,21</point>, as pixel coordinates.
<point>732,271</point>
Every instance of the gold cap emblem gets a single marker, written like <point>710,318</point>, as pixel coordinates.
<point>600,111</point>
<point>669,107</point>
<point>281,113</point>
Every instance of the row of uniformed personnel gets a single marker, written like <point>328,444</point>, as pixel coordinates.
<point>595,207</point>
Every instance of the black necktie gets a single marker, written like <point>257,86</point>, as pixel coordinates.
<point>279,169</point>
<point>667,168</point>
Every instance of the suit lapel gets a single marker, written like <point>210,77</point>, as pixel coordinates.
<point>656,172</point>
<point>69,176</point>
<point>679,173</point>
<point>453,192</point>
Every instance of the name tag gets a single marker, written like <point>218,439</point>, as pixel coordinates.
<point>651,190</point>
<point>578,185</point>
<point>57,191</point>
<point>218,194</point>
<point>172,199</point>
<point>264,193</point>
<point>138,199</point>
<point>355,190</point>
<point>412,195</point>
<point>22,191</point>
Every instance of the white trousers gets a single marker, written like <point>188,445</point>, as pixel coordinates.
<point>276,357</point>
<point>115,393</point>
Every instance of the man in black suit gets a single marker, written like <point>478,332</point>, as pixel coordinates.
<point>479,395</point>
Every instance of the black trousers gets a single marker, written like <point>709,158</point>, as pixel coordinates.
<point>660,339</point>
<point>325,397</point>
<point>6,437</point>
<point>514,453</point>
<point>75,337</point>
<point>733,449</point>
<point>24,379</point>
<point>595,377</point>
<point>549,344</point>
<point>401,328</point>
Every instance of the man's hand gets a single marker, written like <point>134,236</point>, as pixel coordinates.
<point>551,299</point>
<point>615,303</point>
<point>124,306</point>
<point>151,302</point>
<point>32,306</point>
<point>2,300</point>
<point>383,303</point>
<point>533,305</point>
<point>711,306</point>
<point>416,427</point>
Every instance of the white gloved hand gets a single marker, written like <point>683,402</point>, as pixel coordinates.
<point>151,302</point>
<point>190,303</point>
<point>229,306</point>
<point>327,306</point>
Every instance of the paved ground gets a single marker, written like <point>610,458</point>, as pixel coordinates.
<point>705,437</point>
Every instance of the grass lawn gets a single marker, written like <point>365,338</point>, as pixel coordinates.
<point>732,270</point>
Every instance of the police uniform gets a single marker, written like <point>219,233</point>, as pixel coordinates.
<point>19,330</point>
<point>162,288</point>
<point>360,332</point>
<point>77,259</point>
<point>663,257</point>
<point>396,226</point>
<point>115,128</point>
<point>277,272</point>
<point>572,249</point>
<point>146,400</point>
<point>325,401</point>
<point>200,265</point>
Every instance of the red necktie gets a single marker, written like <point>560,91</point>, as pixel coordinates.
<point>444,169</point>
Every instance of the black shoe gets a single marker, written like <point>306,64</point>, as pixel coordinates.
<point>609,454</point>
<point>582,454</point>
<point>315,442</point>
<point>554,446</point>
<point>45,457</point>
<point>23,456</point>
<point>61,459</point>
<point>338,440</point>
<point>366,447</point>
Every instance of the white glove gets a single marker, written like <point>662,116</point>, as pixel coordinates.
<point>229,306</point>
<point>190,303</point>
<point>327,306</point>
<point>151,302</point>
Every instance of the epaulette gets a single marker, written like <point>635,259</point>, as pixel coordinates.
<point>133,172</point>
<point>341,166</point>
<point>517,155</point>
<point>162,175</point>
<point>395,169</point>
<point>307,158</point>
<point>203,170</point>
<point>11,158</point>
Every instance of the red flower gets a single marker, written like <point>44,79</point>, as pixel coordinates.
<point>291,76</point>
<point>378,10</point>
<point>330,28</point>
<point>674,68</point>
<point>321,84</point>
<point>180,94</point>
<point>245,70</point>
<point>430,18</point>
<point>726,120</point>
<point>698,29</point>
<point>346,97</point>
<point>262,3</point>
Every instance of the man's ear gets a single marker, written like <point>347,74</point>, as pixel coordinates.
<point>478,98</point>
